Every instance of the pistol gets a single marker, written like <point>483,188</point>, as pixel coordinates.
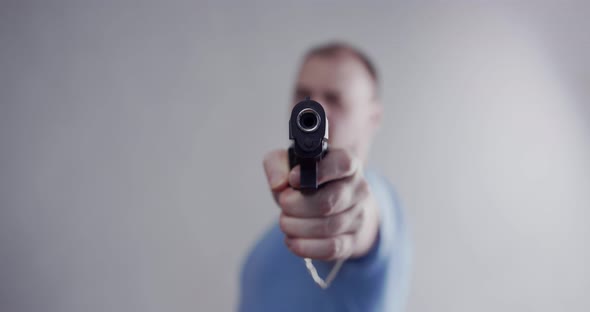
<point>308,129</point>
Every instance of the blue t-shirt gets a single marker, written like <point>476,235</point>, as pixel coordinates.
<point>274,279</point>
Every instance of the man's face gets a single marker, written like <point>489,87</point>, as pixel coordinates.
<point>347,92</point>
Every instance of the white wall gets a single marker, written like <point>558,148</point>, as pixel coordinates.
<point>131,145</point>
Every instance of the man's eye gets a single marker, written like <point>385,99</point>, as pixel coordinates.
<point>332,98</point>
<point>299,96</point>
<point>334,105</point>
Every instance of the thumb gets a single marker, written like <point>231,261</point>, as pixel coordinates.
<point>276,167</point>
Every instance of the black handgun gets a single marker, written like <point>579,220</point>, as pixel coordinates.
<point>308,128</point>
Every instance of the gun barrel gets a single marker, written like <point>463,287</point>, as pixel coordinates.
<point>308,128</point>
<point>308,120</point>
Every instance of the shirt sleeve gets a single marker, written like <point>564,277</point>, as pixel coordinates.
<point>390,234</point>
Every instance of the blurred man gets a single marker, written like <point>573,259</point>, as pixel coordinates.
<point>354,216</point>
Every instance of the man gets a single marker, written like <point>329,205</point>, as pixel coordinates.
<point>354,216</point>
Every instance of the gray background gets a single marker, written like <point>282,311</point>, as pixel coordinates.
<point>132,135</point>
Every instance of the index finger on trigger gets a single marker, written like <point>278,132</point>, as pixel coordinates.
<point>337,164</point>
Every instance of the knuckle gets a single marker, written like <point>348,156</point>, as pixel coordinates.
<point>358,220</point>
<point>363,188</point>
<point>347,162</point>
<point>326,227</point>
<point>361,216</point>
<point>328,203</point>
<point>332,225</point>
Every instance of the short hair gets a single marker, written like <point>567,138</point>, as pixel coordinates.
<point>336,48</point>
